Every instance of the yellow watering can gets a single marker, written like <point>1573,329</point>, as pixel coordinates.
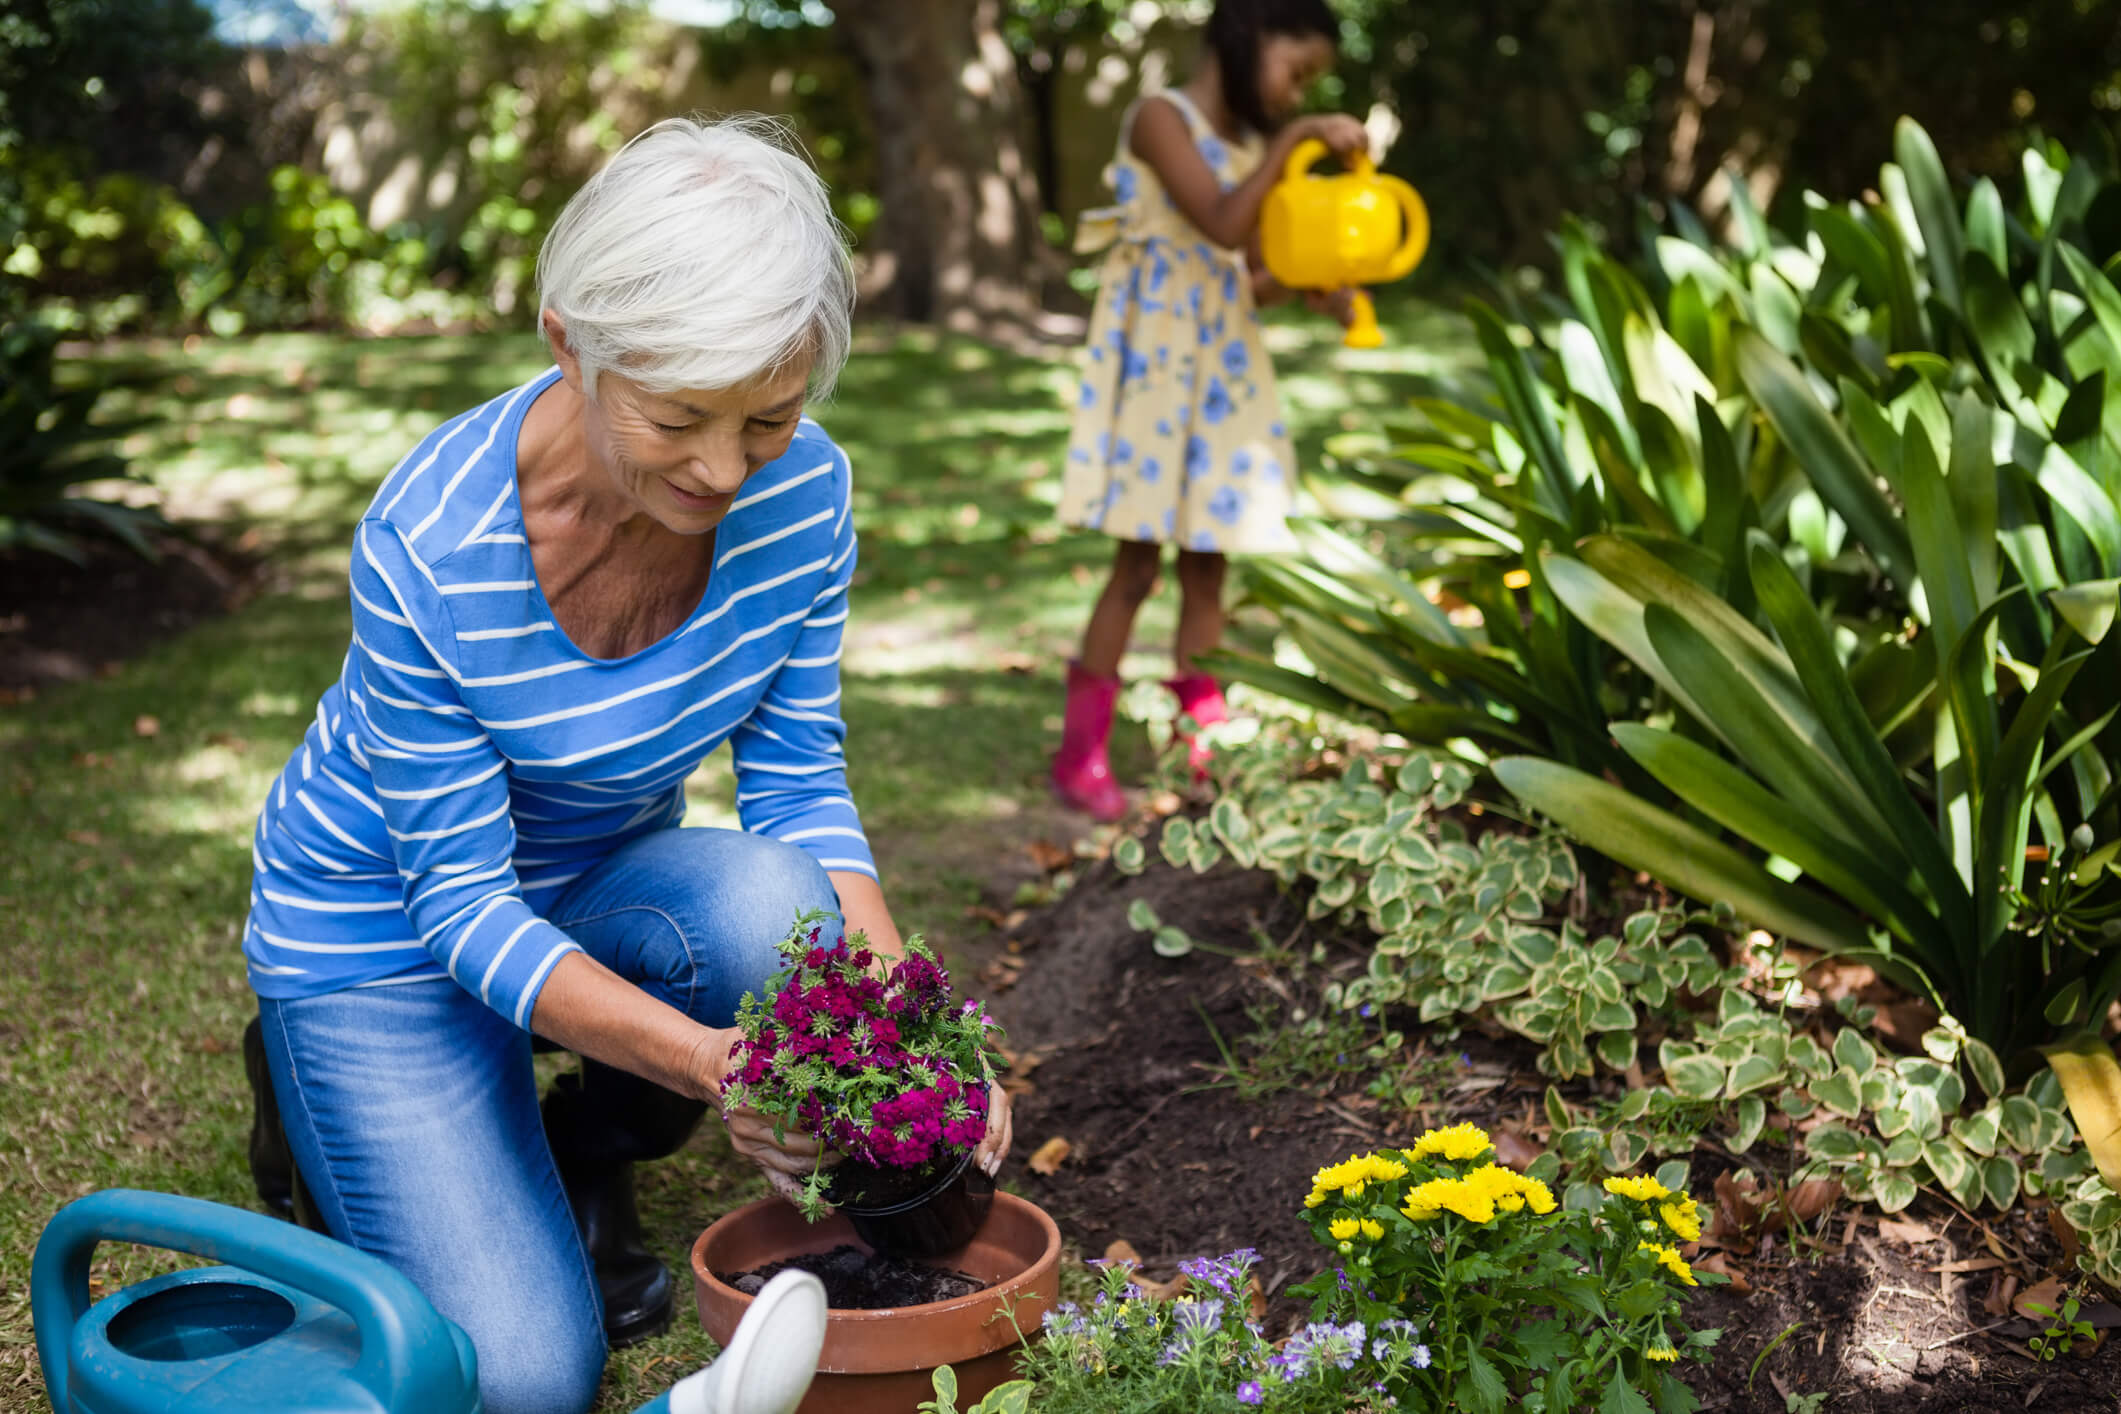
<point>1329,233</point>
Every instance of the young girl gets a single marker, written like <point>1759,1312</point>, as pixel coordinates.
<point>1178,436</point>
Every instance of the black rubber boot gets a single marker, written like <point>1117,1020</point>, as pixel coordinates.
<point>272,1161</point>
<point>600,1123</point>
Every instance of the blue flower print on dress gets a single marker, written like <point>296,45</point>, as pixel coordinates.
<point>1125,184</point>
<point>1277,428</point>
<point>1271,471</point>
<point>1227,504</point>
<point>1198,456</point>
<point>1217,405</point>
<point>1163,427</point>
<point>1204,542</point>
<point>1135,368</point>
<point>1207,334</point>
<point>1241,462</point>
<point>1229,283</point>
<point>1194,298</point>
<point>1163,355</point>
<point>1214,153</point>
<point>1114,492</point>
<point>1146,532</point>
<point>1122,450</point>
<point>1159,272</point>
<point>1088,396</point>
<point>1236,358</point>
<point>1170,523</point>
<point>1152,470</point>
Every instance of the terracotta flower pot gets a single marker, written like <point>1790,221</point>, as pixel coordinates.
<point>878,1362</point>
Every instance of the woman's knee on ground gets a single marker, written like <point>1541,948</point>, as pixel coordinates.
<point>538,1354</point>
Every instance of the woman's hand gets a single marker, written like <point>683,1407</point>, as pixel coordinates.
<point>994,1145</point>
<point>786,1162</point>
<point>1339,304</point>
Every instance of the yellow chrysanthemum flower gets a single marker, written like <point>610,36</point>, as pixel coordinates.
<point>1469,1203</point>
<point>1343,1228</point>
<point>1315,1198</point>
<point>1538,1197</point>
<point>1683,1217</point>
<point>1383,1170</point>
<point>1373,1230</point>
<point>1671,1261</point>
<point>1662,1352</point>
<point>1458,1143</point>
<point>1642,1190</point>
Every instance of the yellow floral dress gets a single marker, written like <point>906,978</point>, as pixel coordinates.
<point>1178,436</point>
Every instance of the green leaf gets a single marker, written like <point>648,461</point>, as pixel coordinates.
<point>2088,606</point>
<point>945,1381</point>
<point>1011,1398</point>
<point>1854,1051</point>
<point>1618,823</point>
<point>2091,1082</point>
<point>1530,415</point>
<point>1129,857</point>
<point>2000,327</point>
<point>1840,1092</point>
<point>1697,1077</point>
<point>1835,467</point>
<point>1894,1191</point>
<point>1752,1118</point>
<point>1935,210</point>
<point>1141,916</point>
<point>1621,1397</point>
<point>2000,1177</point>
<point>1488,1393</point>
<point>1171,942</point>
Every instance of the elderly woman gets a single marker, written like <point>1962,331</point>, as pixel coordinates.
<point>563,599</point>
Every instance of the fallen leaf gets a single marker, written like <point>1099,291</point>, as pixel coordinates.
<point>1047,1161</point>
<point>2064,1234</point>
<point>144,725</point>
<point>992,917</point>
<point>1514,1150</point>
<point>1162,803</point>
<point>213,1045</point>
<point>1914,1234</point>
<point>1048,856</point>
<point>1720,1264</point>
<point>1119,1251</point>
<point>1969,1264</point>
<point>2001,1289</point>
<point>2046,1294</point>
<point>1812,1197</point>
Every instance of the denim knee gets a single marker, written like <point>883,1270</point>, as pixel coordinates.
<point>548,1360</point>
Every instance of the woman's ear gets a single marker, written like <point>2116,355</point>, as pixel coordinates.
<point>554,329</point>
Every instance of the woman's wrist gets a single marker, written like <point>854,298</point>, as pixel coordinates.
<point>709,1064</point>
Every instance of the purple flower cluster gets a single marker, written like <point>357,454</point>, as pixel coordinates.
<point>875,1064</point>
<point>1318,1345</point>
<point>1226,1274</point>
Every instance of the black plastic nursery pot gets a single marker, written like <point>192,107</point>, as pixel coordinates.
<point>919,1212</point>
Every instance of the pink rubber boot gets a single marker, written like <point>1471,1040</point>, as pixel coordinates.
<point>1082,774</point>
<point>1201,699</point>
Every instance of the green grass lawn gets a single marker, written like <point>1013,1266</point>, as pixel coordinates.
<point>126,866</point>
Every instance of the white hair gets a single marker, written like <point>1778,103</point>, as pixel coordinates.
<point>703,255</point>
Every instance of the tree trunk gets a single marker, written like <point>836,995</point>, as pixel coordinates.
<point>956,241</point>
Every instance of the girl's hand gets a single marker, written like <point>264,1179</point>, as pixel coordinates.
<point>1344,135</point>
<point>994,1147</point>
<point>1340,304</point>
<point>785,1162</point>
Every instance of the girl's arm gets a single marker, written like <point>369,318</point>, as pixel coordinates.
<point>1162,139</point>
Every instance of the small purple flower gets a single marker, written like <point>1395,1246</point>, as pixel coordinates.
<point>1366,1011</point>
<point>1250,1393</point>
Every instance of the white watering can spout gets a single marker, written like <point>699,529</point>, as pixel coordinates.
<point>769,1362</point>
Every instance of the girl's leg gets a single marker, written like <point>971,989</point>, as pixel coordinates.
<point>1127,588</point>
<point>1200,606</point>
<point>413,1114</point>
<point>690,916</point>
<point>1200,629</point>
<point>1082,770</point>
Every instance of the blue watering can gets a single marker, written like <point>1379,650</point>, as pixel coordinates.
<point>296,1323</point>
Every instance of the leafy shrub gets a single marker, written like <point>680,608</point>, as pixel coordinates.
<point>49,445</point>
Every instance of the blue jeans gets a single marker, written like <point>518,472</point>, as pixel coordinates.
<point>413,1113</point>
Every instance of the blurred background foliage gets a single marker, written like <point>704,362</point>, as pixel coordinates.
<point>323,163</point>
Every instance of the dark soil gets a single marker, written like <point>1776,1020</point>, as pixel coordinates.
<point>61,622</point>
<point>1166,1161</point>
<point>857,1280</point>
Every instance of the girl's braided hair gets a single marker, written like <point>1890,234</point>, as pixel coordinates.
<point>1238,28</point>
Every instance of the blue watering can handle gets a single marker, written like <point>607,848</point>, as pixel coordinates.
<point>407,1351</point>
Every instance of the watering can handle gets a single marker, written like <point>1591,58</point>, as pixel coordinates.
<point>1414,212</point>
<point>1305,155</point>
<point>406,1346</point>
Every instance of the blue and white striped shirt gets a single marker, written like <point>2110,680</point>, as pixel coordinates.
<point>471,761</point>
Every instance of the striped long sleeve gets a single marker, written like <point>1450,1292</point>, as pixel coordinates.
<point>441,784</point>
<point>791,765</point>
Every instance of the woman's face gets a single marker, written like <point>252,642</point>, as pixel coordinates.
<point>682,457</point>
<point>1288,65</point>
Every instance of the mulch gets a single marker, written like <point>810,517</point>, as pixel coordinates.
<point>62,622</point>
<point>1162,1158</point>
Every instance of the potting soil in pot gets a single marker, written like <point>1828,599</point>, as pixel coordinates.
<point>862,1281</point>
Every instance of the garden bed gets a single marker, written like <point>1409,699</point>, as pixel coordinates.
<point>61,622</point>
<point>1163,1158</point>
